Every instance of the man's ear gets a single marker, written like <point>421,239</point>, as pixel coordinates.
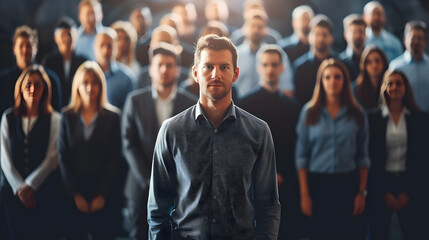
<point>236,73</point>
<point>195,74</point>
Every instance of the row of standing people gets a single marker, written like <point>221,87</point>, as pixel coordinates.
<point>323,159</point>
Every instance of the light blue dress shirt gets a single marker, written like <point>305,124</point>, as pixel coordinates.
<point>249,80</point>
<point>332,145</point>
<point>119,82</point>
<point>388,42</point>
<point>85,43</point>
<point>418,74</point>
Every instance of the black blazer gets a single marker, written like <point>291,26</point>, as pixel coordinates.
<point>417,149</point>
<point>55,62</point>
<point>139,132</point>
<point>89,166</point>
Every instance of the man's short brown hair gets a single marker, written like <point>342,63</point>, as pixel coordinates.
<point>216,43</point>
<point>26,32</point>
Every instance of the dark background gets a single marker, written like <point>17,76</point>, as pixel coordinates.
<point>43,14</point>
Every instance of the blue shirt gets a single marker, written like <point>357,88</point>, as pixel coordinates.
<point>388,42</point>
<point>216,183</point>
<point>119,82</point>
<point>332,145</point>
<point>293,39</point>
<point>418,75</point>
<point>248,80</point>
<point>85,43</point>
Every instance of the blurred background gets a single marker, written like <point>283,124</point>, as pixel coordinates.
<point>43,14</point>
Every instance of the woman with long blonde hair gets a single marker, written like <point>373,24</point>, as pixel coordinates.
<point>89,154</point>
<point>331,156</point>
<point>29,158</point>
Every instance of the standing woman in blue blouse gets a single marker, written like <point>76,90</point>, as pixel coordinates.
<point>29,158</point>
<point>89,151</point>
<point>398,151</point>
<point>331,156</point>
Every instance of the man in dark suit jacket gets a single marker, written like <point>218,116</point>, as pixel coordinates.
<point>64,61</point>
<point>144,111</point>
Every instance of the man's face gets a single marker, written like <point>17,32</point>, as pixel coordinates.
<point>163,70</point>
<point>64,39</point>
<point>301,23</point>
<point>355,36</point>
<point>415,42</point>
<point>255,29</point>
<point>103,48</point>
<point>23,50</point>
<point>138,21</point>
<point>270,68</point>
<point>215,74</point>
<point>321,39</point>
<point>376,18</point>
<point>87,18</point>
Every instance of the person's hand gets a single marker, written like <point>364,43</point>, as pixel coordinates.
<point>81,204</point>
<point>307,206</point>
<point>26,194</point>
<point>279,179</point>
<point>403,199</point>
<point>288,93</point>
<point>391,201</point>
<point>359,205</point>
<point>97,204</point>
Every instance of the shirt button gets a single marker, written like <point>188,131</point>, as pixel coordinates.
<point>213,220</point>
<point>215,130</point>
<point>214,196</point>
<point>215,151</point>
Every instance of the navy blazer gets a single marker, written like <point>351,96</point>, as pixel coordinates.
<point>89,166</point>
<point>417,150</point>
<point>139,132</point>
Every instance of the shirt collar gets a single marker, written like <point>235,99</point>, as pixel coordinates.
<point>98,28</point>
<point>385,111</point>
<point>113,68</point>
<point>343,111</point>
<point>231,114</point>
<point>349,51</point>
<point>170,97</point>
<point>408,58</point>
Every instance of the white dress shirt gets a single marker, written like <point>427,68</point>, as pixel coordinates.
<point>396,142</point>
<point>164,107</point>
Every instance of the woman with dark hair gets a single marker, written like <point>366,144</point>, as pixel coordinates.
<point>398,135</point>
<point>29,157</point>
<point>89,147</point>
<point>373,64</point>
<point>331,156</point>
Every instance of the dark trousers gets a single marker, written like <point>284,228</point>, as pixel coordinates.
<point>104,224</point>
<point>381,215</point>
<point>43,222</point>
<point>290,228</point>
<point>137,218</point>
<point>333,203</point>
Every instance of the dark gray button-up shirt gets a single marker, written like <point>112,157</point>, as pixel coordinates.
<point>214,183</point>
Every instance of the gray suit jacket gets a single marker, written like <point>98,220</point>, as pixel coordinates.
<point>139,132</point>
